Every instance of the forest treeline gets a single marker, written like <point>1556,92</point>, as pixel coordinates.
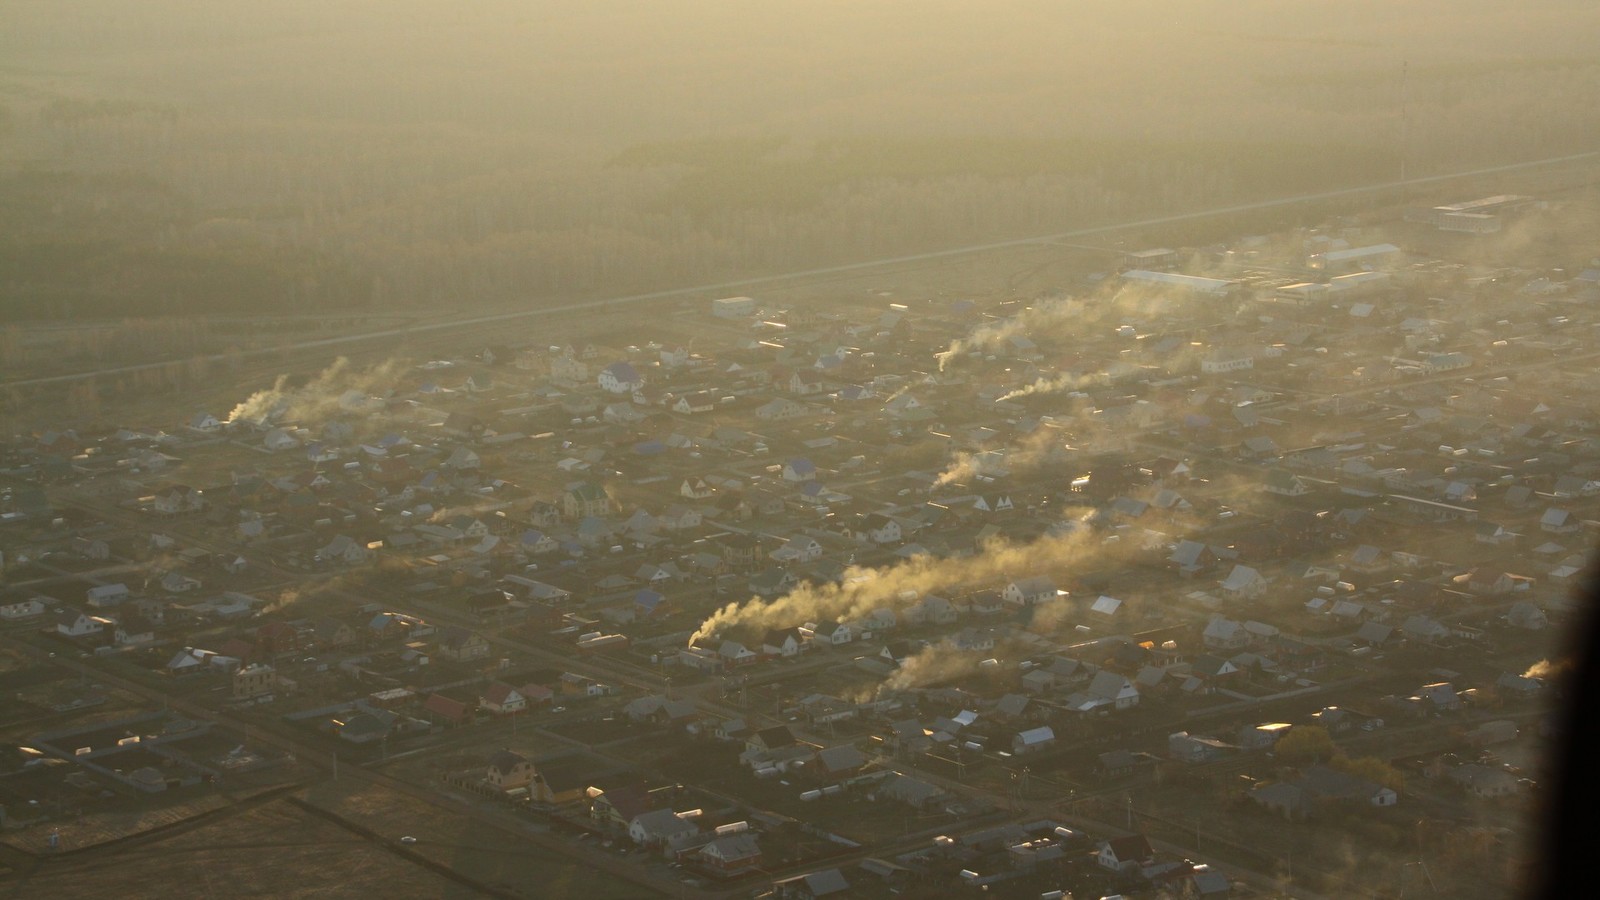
<point>321,159</point>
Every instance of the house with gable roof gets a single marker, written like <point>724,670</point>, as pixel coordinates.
<point>585,499</point>
<point>1191,557</point>
<point>1285,484</point>
<point>462,645</point>
<point>1244,583</point>
<point>22,609</point>
<point>1125,854</point>
<point>509,771</point>
<point>502,699</point>
<point>1225,635</point>
<point>107,595</point>
<point>1033,740</point>
<point>662,829</point>
<point>620,378</point>
<point>731,853</point>
<point>1106,690</point>
<point>799,469</point>
<point>1029,591</point>
<point>782,642</point>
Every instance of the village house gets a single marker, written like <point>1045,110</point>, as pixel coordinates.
<point>132,629</point>
<point>177,499</point>
<point>782,642</point>
<point>1243,583</point>
<point>620,378</point>
<point>509,771</point>
<point>502,699</point>
<point>663,830</point>
<point>828,634</point>
<point>22,609</point>
<point>1029,591</point>
<point>1033,740</point>
<point>254,680</point>
<point>107,595</point>
<point>730,854</point>
<point>459,644</point>
<point>799,548</point>
<point>74,624</point>
<point>585,499</point>
<point>780,409</point>
<point>1126,854</point>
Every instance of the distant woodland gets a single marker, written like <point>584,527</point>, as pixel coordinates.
<point>166,158</point>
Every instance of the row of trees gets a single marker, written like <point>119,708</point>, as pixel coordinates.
<point>139,208</point>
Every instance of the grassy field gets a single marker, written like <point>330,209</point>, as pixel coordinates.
<point>275,851</point>
<point>482,853</point>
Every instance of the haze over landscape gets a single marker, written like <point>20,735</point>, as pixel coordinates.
<point>305,155</point>
<point>725,449</point>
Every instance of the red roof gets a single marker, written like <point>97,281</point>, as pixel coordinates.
<point>445,708</point>
<point>238,649</point>
<point>498,693</point>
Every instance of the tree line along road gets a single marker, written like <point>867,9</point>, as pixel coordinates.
<point>931,256</point>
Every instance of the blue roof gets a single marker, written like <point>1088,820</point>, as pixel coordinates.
<point>802,465</point>
<point>811,488</point>
<point>649,448</point>
<point>623,371</point>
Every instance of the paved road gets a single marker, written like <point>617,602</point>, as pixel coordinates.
<point>742,283</point>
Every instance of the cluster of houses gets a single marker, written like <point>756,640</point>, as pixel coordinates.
<point>1388,459</point>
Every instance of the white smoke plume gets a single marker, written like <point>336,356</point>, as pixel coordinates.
<point>476,510</point>
<point>933,664</point>
<point>1064,381</point>
<point>1545,669</point>
<point>320,397</point>
<point>1045,317</point>
<point>1115,302</point>
<point>865,589</point>
<point>962,468</point>
<point>260,404</point>
<point>1042,446</point>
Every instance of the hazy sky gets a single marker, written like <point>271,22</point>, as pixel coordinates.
<point>627,70</point>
